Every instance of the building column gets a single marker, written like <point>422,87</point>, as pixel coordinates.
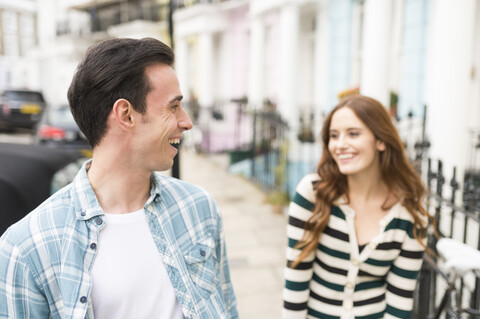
<point>205,69</point>
<point>288,102</point>
<point>256,74</point>
<point>377,32</point>
<point>289,29</point>
<point>181,66</point>
<point>449,82</point>
<point>321,60</point>
<point>474,112</point>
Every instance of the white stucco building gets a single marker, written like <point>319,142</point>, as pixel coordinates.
<point>68,27</point>
<point>18,38</point>
<point>298,55</point>
<point>211,47</point>
<point>301,54</point>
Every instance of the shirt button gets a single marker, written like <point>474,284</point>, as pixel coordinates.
<point>83,299</point>
<point>93,245</point>
<point>202,252</point>
<point>349,285</point>
<point>355,262</point>
<point>98,221</point>
<point>150,208</point>
<point>83,213</point>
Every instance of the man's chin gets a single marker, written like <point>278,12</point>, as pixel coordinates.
<point>164,167</point>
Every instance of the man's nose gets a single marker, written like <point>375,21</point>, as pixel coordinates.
<point>184,122</point>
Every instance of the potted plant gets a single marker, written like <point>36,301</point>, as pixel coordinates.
<point>278,200</point>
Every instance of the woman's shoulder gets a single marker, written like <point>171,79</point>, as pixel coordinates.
<point>404,214</point>
<point>308,181</point>
<point>306,186</point>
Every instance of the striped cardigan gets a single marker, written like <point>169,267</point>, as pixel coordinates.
<point>338,281</point>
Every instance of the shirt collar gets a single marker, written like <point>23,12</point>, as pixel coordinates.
<point>155,189</point>
<point>86,202</point>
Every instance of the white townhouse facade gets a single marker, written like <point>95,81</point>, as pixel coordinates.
<point>211,52</point>
<point>302,54</point>
<point>18,38</point>
<point>68,27</point>
<point>299,55</point>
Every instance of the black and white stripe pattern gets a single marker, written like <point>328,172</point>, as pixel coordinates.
<point>338,281</point>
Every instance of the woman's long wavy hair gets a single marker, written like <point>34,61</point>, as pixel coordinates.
<point>397,173</point>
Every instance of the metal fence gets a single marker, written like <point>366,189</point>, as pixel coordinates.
<point>188,3</point>
<point>269,153</point>
<point>255,139</point>
<point>456,210</point>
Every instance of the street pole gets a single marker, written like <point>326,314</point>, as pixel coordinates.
<point>176,160</point>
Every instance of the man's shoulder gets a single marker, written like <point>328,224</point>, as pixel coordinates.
<point>191,199</point>
<point>49,217</point>
<point>180,187</point>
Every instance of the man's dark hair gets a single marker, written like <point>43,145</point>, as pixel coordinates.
<point>110,70</point>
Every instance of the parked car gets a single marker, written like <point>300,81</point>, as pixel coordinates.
<point>57,128</point>
<point>29,174</point>
<point>20,109</point>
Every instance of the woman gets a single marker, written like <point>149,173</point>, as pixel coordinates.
<point>356,233</point>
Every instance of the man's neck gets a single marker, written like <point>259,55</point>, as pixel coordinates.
<point>118,188</point>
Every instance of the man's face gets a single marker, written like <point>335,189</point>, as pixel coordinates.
<point>163,123</point>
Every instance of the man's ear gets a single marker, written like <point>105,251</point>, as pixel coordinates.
<point>122,112</point>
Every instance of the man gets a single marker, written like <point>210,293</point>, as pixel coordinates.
<point>121,241</point>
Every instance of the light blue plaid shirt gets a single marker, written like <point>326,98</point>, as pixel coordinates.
<point>47,257</point>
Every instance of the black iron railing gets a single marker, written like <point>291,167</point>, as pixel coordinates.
<point>106,14</point>
<point>459,221</point>
<point>188,3</point>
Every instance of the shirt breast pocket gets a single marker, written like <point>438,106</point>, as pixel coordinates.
<point>202,264</point>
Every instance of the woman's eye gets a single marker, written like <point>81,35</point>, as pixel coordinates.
<point>354,134</point>
<point>333,135</point>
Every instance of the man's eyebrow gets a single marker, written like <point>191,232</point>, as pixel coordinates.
<point>176,99</point>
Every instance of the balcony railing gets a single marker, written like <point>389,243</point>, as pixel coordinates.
<point>104,14</point>
<point>188,3</point>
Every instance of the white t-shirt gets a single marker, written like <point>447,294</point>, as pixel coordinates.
<point>129,279</point>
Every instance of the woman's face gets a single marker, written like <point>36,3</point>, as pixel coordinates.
<point>353,145</point>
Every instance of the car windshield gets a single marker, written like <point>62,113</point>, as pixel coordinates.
<point>24,96</point>
<point>60,115</point>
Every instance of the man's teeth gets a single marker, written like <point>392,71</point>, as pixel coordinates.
<point>174,141</point>
<point>345,156</point>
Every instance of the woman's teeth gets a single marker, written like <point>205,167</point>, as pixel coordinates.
<point>345,156</point>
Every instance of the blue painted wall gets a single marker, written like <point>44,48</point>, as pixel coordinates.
<point>415,28</point>
<point>340,16</point>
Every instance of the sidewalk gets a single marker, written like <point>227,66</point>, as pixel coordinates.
<point>255,235</point>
